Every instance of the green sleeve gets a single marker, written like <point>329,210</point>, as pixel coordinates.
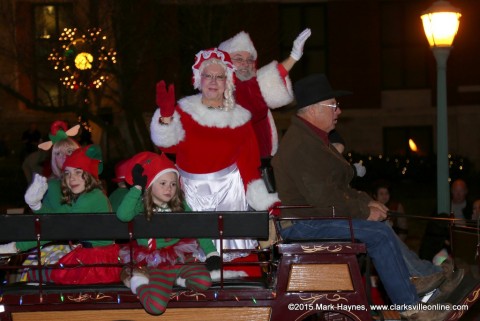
<point>131,205</point>
<point>50,201</point>
<point>27,245</point>
<point>53,197</point>
<point>207,246</point>
<point>186,207</point>
<point>117,196</point>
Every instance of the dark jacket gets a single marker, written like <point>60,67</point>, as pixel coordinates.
<point>308,171</point>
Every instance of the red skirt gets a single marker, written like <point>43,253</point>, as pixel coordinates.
<point>169,255</point>
<point>250,270</point>
<point>88,275</point>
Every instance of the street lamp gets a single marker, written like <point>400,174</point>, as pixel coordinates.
<point>440,23</point>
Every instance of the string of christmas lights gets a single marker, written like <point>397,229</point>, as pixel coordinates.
<point>415,167</point>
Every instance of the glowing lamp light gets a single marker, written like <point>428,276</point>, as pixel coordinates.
<point>412,145</point>
<point>440,23</point>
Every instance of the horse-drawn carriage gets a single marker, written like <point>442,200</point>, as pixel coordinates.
<point>318,280</point>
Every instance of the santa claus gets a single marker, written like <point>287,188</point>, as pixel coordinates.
<point>262,90</point>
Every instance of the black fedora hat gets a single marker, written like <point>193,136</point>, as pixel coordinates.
<point>315,88</point>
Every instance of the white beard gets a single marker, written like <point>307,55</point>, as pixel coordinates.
<point>244,77</point>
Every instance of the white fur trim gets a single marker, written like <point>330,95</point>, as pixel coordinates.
<point>166,135</point>
<point>168,170</point>
<point>214,253</point>
<point>276,90</point>
<point>181,282</point>
<point>215,274</point>
<point>240,42</point>
<point>193,106</point>
<point>274,133</point>
<point>258,197</point>
<point>136,281</point>
<point>197,70</point>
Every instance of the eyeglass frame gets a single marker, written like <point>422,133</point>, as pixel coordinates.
<point>239,60</point>
<point>211,77</point>
<point>333,106</point>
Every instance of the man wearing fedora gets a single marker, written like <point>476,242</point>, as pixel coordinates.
<point>309,170</point>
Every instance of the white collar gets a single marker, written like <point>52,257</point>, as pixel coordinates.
<point>164,208</point>
<point>210,117</point>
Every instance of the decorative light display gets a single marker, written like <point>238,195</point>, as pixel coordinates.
<point>85,124</point>
<point>83,61</point>
<point>414,167</point>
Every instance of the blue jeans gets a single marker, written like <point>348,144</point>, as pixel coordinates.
<point>416,266</point>
<point>382,246</point>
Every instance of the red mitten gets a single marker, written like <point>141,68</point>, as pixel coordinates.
<point>274,210</point>
<point>165,99</point>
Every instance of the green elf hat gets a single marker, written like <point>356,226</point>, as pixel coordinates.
<point>58,131</point>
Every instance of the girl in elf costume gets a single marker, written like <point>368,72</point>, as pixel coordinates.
<point>62,145</point>
<point>81,193</point>
<point>158,177</point>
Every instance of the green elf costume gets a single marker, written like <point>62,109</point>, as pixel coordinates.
<point>60,142</point>
<point>59,136</point>
<point>91,200</point>
<point>164,258</point>
<point>116,197</point>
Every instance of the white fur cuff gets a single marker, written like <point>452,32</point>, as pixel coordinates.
<point>136,281</point>
<point>214,253</point>
<point>276,90</point>
<point>181,282</point>
<point>166,135</point>
<point>258,197</point>
<point>215,274</point>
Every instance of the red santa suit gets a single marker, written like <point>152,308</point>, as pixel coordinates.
<point>218,159</point>
<point>271,88</point>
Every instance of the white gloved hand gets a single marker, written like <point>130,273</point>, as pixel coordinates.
<point>360,169</point>
<point>9,248</point>
<point>35,192</point>
<point>297,50</point>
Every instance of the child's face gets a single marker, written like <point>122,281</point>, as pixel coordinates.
<point>74,179</point>
<point>61,154</point>
<point>164,188</point>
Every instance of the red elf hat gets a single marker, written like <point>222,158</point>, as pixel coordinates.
<point>154,166</point>
<point>88,158</point>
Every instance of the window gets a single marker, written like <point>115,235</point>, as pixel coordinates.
<point>295,18</point>
<point>48,23</point>
<point>404,47</point>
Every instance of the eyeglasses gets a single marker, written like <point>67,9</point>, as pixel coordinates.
<point>210,77</point>
<point>334,106</point>
<point>242,61</point>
